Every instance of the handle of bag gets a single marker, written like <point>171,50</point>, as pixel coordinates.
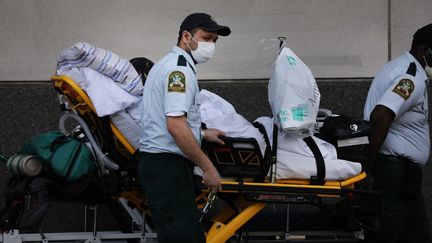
<point>57,142</point>
<point>75,151</point>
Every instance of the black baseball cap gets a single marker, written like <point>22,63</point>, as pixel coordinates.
<point>424,35</point>
<point>205,22</point>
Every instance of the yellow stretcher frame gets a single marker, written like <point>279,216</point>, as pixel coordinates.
<point>224,224</point>
<point>84,104</point>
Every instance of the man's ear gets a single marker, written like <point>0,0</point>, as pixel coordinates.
<point>186,37</point>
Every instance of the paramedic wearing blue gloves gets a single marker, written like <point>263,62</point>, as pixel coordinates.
<point>397,107</point>
<point>171,136</point>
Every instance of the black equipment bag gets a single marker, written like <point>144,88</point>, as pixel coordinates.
<point>26,203</point>
<point>349,136</point>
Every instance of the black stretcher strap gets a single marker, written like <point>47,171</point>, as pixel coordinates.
<point>319,160</point>
<point>274,154</point>
<point>274,147</point>
<point>261,128</point>
<point>319,178</point>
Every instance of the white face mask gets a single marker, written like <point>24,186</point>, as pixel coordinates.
<point>204,51</point>
<point>428,69</point>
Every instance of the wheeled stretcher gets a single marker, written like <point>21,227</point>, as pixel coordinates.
<point>246,186</point>
<point>240,160</point>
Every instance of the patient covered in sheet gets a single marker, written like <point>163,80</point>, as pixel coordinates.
<point>294,158</point>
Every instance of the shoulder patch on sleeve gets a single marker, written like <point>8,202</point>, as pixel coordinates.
<point>176,82</point>
<point>404,88</point>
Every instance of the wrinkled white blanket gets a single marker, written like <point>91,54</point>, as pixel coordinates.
<point>220,114</point>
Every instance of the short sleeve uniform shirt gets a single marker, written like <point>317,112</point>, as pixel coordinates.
<point>171,88</point>
<point>401,86</point>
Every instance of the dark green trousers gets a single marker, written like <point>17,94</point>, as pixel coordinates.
<point>403,216</point>
<point>167,182</point>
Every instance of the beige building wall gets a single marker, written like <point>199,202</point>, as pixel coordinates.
<point>336,38</point>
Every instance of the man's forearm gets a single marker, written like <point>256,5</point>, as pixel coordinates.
<point>381,119</point>
<point>378,136</point>
<point>185,140</point>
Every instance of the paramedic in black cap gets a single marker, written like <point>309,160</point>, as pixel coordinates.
<point>171,133</point>
<point>203,21</point>
<point>397,108</point>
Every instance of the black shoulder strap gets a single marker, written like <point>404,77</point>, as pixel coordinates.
<point>274,146</point>
<point>412,69</point>
<point>181,61</point>
<point>273,154</point>
<point>319,178</point>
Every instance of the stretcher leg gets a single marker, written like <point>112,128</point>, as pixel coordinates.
<point>220,232</point>
<point>229,211</point>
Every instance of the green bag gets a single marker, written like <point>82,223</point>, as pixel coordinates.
<point>66,157</point>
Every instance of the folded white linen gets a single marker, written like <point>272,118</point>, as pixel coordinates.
<point>107,97</point>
